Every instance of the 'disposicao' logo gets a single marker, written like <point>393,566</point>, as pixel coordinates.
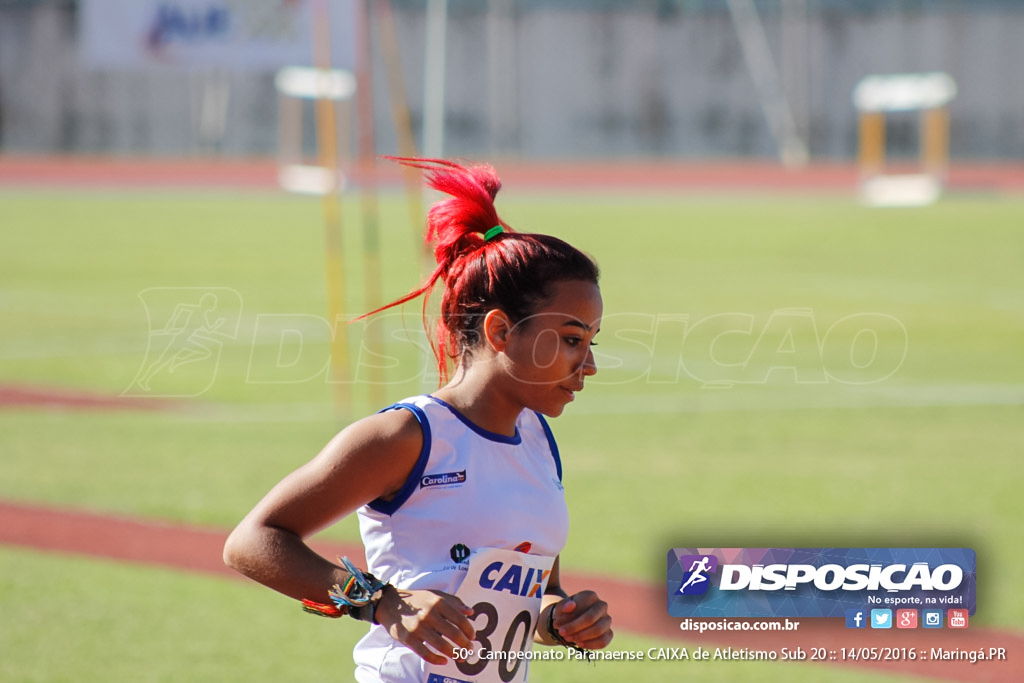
<point>696,578</point>
<point>818,582</point>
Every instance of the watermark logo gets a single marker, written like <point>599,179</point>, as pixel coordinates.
<point>820,582</point>
<point>726,350</point>
<point>696,580</point>
<point>188,327</point>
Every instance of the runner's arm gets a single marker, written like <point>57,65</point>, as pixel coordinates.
<point>368,460</point>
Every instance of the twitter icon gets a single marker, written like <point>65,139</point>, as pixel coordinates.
<point>881,618</point>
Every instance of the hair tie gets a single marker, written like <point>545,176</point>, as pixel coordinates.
<point>493,232</point>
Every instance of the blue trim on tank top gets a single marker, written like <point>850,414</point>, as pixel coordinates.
<point>552,444</point>
<point>490,436</point>
<point>390,507</point>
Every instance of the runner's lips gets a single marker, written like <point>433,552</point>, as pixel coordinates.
<point>571,392</point>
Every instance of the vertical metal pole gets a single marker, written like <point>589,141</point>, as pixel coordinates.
<point>402,121</point>
<point>750,31</point>
<point>794,64</point>
<point>289,131</point>
<point>434,61</point>
<point>326,129</point>
<point>368,197</point>
<point>501,66</point>
<point>434,79</point>
<point>935,141</point>
<point>871,157</point>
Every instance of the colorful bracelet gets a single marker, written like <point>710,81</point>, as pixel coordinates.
<point>322,610</point>
<point>356,598</point>
<point>359,589</point>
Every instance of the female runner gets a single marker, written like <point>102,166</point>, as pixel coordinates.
<point>458,493</point>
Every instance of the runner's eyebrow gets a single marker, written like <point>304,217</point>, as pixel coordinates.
<point>578,323</point>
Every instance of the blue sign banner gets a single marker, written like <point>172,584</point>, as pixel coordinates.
<point>817,582</point>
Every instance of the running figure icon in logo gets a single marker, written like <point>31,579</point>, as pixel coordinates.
<point>696,578</point>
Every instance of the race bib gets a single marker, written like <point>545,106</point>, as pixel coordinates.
<point>504,588</point>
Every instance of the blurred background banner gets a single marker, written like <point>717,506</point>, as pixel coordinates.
<point>141,34</point>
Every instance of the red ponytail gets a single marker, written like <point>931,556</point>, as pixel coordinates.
<point>512,271</point>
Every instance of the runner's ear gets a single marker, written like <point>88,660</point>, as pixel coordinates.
<point>496,329</point>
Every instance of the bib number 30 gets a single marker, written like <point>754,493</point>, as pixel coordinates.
<point>504,587</point>
<point>506,659</point>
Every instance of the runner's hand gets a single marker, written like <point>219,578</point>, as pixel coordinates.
<point>583,620</point>
<point>427,621</point>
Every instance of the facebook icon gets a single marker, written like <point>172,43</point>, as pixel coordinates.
<point>856,618</point>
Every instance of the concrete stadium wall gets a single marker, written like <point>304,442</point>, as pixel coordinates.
<point>546,80</point>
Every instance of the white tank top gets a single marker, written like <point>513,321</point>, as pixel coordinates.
<point>470,489</point>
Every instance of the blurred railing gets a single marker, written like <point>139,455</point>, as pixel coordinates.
<point>552,79</point>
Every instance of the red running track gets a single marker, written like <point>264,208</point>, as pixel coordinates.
<point>625,175</point>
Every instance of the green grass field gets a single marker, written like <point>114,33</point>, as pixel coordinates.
<point>849,377</point>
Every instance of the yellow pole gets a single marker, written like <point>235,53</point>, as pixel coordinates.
<point>368,200</point>
<point>327,149</point>
<point>403,125</point>
<point>935,141</point>
<point>871,157</point>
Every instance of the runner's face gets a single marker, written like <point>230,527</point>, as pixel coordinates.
<point>548,354</point>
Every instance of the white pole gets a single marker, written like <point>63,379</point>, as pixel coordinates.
<point>433,79</point>
<point>502,91</point>
<point>433,116</point>
<point>793,63</point>
<point>792,150</point>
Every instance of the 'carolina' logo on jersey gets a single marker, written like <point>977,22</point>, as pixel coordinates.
<point>499,577</point>
<point>444,479</point>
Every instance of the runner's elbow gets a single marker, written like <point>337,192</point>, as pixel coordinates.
<point>236,552</point>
